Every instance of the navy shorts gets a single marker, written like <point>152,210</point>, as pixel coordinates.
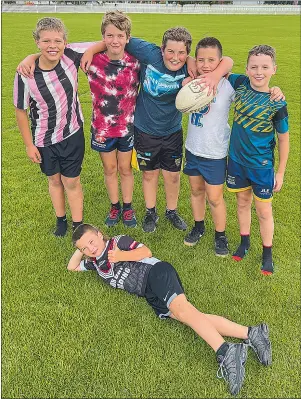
<point>213,171</point>
<point>159,152</point>
<point>241,178</point>
<point>65,157</point>
<point>109,144</point>
<point>163,286</point>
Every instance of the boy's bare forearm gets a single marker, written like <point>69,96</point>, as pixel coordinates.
<point>23,125</point>
<point>283,149</point>
<point>224,67</point>
<point>74,262</point>
<point>97,48</point>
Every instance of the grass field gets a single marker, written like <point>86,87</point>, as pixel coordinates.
<point>67,335</point>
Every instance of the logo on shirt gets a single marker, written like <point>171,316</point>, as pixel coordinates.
<point>159,84</point>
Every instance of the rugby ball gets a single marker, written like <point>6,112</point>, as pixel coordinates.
<point>192,97</point>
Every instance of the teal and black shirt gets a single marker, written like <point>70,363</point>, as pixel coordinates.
<point>256,118</point>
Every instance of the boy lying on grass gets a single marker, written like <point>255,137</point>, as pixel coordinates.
<point>127,264</point>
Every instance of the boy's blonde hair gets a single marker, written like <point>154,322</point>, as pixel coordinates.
<point>49,24</point>
<point>117,18</point>
<point>263,49</point>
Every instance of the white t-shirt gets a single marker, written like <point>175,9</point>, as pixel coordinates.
<point>208,130</point>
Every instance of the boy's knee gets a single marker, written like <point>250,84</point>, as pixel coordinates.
<point>110,170</point>
<point>215,202</point>
<point>149,175</point>
<point>71,183</point>
<point>197,192</point>
<point>125,171</point>
<point>55,180</point>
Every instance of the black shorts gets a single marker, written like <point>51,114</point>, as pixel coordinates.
<point>65,157</point>
<point>159,152</point>
<point>162,287</point>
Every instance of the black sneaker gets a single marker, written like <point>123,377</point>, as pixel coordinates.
<point>113,217</point>
<point>193,237</point>
<point>150,222</point>
<point>258,340</point>
<point>129,218</point>
<point>267,267</point>
<point>176,220</point>
<point>232,366</point>
<point>221,246</point>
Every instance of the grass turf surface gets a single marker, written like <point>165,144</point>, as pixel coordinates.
<point>67,335</point>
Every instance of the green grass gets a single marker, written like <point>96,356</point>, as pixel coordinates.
<point>67,335</point>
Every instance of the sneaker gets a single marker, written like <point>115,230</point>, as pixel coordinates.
<point>113,217</point>
<point>193,237</point>
<point>129,218</point>
<point>176,220</point>
<point>221,246</point>
<point>267,267</point>
<point>232,366</point>
<point>258,340</point>
<point>150,222</point>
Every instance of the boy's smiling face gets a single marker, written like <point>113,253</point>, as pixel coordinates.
<point>260,69</point>
<point>174,55</point>
<point>52,45</point>
<point>207,59</point>
<point>115,41</point>
<point>91,244</point>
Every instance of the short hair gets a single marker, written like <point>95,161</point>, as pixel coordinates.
<point>117,18</point>
<point>263,49</point>
<point>177,34</point>
<point>49,24</point>
<point>209,42</point>
<point>81,230</point>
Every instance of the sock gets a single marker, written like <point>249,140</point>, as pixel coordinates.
<point>127,206</point>
<point>266,252</point>
<point>242,250</point>
<point>219,234</point>
<point>200,225</point>
<point>222,350</point>
<point>117,205</point>
<point>76,224</point>
<point>151,210</point>
<point>61,226</point>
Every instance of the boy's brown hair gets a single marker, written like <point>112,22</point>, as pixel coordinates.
<point>263,49</point>
<point>117,18</point>
<point>83,229</point>
<point>209,42</point>
<point>177,34</point>
<point>49,24</point>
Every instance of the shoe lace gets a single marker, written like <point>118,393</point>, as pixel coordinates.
<point>222,371</point>
<point>128,214</point>
<point>114,213</point>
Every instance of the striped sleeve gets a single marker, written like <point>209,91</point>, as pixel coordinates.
<point>78,48</point>
<point>21,92</point>
<point>86,265</point>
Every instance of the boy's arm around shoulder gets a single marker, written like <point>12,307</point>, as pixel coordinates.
<point>27,66</point>
<point>87,57</point>
<point>74,262</point>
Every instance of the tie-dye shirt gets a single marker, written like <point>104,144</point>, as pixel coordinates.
<point>114,89</point>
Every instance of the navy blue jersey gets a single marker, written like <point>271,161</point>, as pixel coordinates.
<point>256,118</point>
<point>156,112</point>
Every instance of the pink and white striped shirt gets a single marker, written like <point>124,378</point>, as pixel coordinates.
<point>55,111</point>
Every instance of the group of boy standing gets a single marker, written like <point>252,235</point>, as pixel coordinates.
<point>133,86</point>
